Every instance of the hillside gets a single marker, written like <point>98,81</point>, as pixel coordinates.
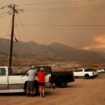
<point>54,51</point>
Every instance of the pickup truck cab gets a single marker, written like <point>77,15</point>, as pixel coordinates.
<point>15,83</point>
<point>86,73</point>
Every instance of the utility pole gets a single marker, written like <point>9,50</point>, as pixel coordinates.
<point>12,36</point>
<point>13,10</point>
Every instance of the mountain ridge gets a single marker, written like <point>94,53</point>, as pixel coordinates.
<point>55,51</point>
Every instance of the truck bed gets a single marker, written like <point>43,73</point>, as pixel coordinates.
<point>61,78</point>
<point>66,75</point>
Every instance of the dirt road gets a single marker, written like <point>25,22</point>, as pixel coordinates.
<point>82,92</point>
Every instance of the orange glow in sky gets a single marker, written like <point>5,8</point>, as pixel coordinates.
<point>76,23</point>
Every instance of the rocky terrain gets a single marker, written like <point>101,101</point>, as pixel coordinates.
<point>52,52</point>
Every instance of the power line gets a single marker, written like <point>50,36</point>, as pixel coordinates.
<point>64,9</point>
<point>4,36</point>
<point>62,2</point>
<point>57,25</point>
<point>57,2</point>
<point>20,22</point>
<point>17,29</point>
<point>10,23</point>
<point>72,7</point>
<point>3,14</point>
<point>46,3</point>
<point>12,10</point>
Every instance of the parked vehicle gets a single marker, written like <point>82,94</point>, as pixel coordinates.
<point>101,70</point>
<point>15,83</point>
<point>86,73</point>
<point>18,82</point>
<point>59,78</point>
<point>62,78</point>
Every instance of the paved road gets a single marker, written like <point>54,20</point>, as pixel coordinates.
<point>82,92</point>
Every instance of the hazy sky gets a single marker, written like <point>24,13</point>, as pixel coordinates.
<point>77,23</point>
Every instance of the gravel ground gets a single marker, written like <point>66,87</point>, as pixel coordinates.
<point>81,92</point>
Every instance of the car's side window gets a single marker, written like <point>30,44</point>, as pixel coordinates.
<point>87,70</point>
<point>2,71</point>
<point>78,70</point>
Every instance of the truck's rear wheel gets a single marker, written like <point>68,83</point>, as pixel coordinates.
<point>63,84</point>
<point>87,76</point>
<point>36,91</point>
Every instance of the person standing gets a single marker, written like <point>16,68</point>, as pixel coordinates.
<point>31,80</point>
<point>41,81</point>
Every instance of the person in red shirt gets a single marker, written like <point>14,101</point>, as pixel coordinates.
<point>41,81</point>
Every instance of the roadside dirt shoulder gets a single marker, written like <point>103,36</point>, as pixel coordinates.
<point>81,92</point>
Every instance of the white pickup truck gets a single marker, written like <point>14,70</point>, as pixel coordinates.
<point>86,73</point>
<point>14,83</point>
